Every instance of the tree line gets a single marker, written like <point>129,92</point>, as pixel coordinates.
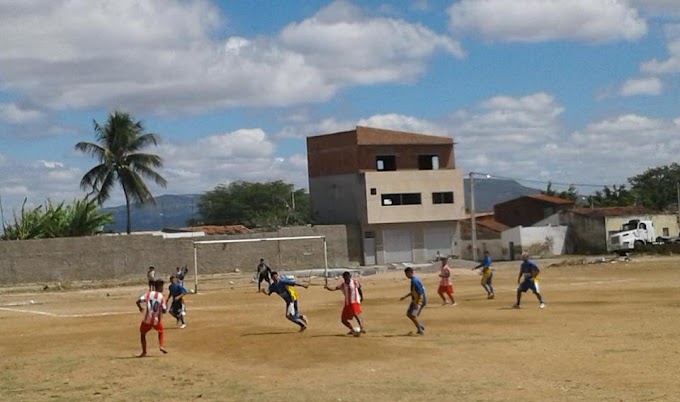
<point>655,189</point>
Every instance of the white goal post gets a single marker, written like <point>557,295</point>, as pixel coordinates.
<point>198,243</point>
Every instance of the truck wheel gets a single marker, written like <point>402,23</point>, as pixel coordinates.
<point>639,243</point>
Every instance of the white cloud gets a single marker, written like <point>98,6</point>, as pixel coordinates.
<point>547,20</point>
<point>15,114</point>
<point>672,64</point>
<point>641,86</point>
<point>399,122</point>
<point>164,56</point>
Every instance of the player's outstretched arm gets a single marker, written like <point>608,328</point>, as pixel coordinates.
<point>139,305</point>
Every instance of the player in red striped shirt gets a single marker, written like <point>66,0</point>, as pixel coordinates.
<point>351,288</point>
<point>155,305</point>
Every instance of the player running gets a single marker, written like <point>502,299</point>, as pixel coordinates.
<point>418,300</point>
<point>155,306</point>
<point>530,272</point>
<point>351,288</point>
<point>445,285</point>
<point>176,291</point>
<point>286,289</point>
<point>487,274</point>
<point>181,274</point>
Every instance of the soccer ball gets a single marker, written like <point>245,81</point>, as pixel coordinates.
<point>356,331</point>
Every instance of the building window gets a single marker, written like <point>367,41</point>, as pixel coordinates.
<point>428,162</point>
<point>666,232</point>
<point>401,199</point>
<point>374,191</point>
<point>445,197</point>
<point>386,162</point>
<point>369,235</point>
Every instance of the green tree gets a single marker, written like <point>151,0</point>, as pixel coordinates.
<point>80,218</point>
<point>264,205</point>
<point>117,147</point>
<point>617,196</point>
<point>568,194</point>
<point>656,188</point>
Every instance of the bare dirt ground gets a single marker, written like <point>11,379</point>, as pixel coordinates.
<point>610,332</point>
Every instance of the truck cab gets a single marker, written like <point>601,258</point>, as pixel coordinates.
<point>634,232</point>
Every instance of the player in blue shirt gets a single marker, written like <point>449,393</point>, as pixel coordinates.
<point>177,308</point>
<point>529,271</point>
<point>286,289</point>
<point>418,300</point>
<point>487,274</point>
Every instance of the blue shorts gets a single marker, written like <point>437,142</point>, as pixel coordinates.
<point>415,309</point>
<point>292,310</point>
<point>528,285</point>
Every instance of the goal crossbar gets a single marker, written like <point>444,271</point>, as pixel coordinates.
<point>200,242</point>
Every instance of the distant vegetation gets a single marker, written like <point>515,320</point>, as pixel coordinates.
<point>256,205</point>
<point>80,218</point>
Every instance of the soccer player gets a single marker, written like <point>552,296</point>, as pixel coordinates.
<point>286,289</point>
<point>177,307</point>
<point>351,288</point>
<point>418,300</point>
<point>263,273</point>
<point>181,274</point>
<point>155,306</point>
<point>487,274</point>
<point>151,278</point>
<point>445,285</point>
<point>529,270</point>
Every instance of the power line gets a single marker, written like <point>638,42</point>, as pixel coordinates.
<point>556,183</point>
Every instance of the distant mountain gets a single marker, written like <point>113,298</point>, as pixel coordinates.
<point>170,211</point>
<point>489,192</point>
<point>174,211</point>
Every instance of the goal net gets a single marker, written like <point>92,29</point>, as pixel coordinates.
<point>280,253</point>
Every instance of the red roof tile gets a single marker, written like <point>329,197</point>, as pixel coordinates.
<point>223,230</point>
<point>549,198</point>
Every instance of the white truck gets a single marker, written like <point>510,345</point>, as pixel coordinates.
<point>633,233</point>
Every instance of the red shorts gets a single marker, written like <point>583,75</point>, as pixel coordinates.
<point>349,311</point>
<point>448,289</point>
<point>144,327</point>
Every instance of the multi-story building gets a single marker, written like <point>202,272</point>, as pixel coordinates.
<point>402,190</point>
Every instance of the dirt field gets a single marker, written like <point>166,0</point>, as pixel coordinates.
<point>610,332</point>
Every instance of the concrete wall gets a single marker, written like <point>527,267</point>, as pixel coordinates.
<point>121,257</point>
<point>497,250</point>
<point>538,241</point>
<point>338,199</point>
<point>424,182</point>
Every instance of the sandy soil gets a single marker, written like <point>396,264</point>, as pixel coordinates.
<point>609,333</point>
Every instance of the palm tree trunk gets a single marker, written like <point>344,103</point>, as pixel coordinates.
<point>127,205</point>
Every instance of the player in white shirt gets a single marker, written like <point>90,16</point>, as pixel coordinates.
<point>155,305</point>
<point>351,288</point>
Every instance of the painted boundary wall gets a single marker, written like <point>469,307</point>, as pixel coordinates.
<point>126,257</point>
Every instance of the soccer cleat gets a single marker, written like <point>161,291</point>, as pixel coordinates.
<point>421,330</point>
<point>542,305</point>
<point>454,304</point>
<point>363,331</point>
<point>163,349</point>
<point>515,306</point>
<point>183,326</point>
<point>303,329</point>
<point>490,296</point>
<point>304,319</point>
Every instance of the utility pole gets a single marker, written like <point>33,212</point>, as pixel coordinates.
<point>677,185</point>
<point>473,225</point>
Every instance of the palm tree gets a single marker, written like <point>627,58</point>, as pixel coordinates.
<point>117,149</point>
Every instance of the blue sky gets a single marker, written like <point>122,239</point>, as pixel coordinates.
<point>579,91</point>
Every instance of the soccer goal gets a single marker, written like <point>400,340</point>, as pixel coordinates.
<point>302,251</point>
